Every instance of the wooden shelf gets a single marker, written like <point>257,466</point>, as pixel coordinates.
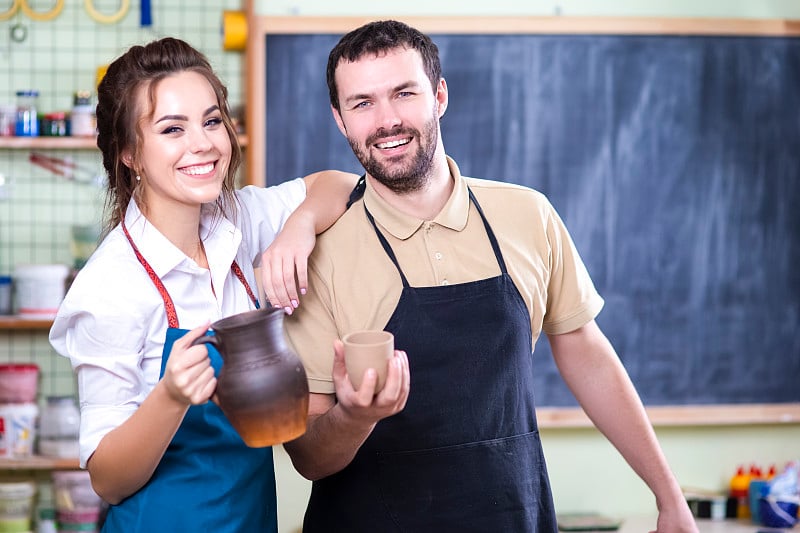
<point>61,143</point>
<point>37,462</point>
<point>686,415</point>
<point>21,323</point>
<point>49,143</point>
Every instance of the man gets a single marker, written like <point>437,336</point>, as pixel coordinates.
<point>466,273</point>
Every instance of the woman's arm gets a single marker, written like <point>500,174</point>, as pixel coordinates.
<point>128,455</point>
<point>327,193</point>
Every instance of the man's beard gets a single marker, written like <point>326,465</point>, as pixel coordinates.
<point>401,178</point>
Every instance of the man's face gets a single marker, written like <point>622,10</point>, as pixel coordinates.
<point>390,116</point>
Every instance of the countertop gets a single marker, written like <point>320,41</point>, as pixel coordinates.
<point>646,524</point>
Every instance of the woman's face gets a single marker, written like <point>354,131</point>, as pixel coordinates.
<point>185,150</point>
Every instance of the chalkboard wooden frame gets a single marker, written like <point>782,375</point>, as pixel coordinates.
<point>261,26</point>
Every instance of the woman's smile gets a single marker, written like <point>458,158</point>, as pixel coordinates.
<point>197,170</point>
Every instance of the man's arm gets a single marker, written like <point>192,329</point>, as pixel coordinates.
<point>337,429</point>
<point>595,375</point>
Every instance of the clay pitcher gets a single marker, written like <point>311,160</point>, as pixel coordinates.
<point>262,387</point>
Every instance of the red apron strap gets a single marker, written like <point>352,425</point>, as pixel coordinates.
<point>169,306</point>
<point>240,275</point>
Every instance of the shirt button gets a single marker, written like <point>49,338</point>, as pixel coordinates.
<point>438,255</point>
<point>445,282</point>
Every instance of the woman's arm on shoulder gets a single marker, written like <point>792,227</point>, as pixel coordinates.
<point>327,193</point>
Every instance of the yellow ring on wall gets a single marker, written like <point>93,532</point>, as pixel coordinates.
<point>234,30</point>
<point>11,10</point>
<point>107,19</point>
<point>41,15</point>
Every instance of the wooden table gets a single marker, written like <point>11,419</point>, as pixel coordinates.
<point>645,524</point>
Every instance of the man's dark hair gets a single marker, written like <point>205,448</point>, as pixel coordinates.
<point>377,38</point>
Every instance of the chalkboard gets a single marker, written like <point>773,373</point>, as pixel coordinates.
<point>674,161</point>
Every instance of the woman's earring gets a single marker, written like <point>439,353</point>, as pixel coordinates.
<point>138,178</point>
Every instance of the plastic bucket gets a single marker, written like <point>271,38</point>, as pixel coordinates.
<point>39,289</point>
<point>17,429</point>
<point>77,504</point>
<point>18,382</point>
<point>16,506</point>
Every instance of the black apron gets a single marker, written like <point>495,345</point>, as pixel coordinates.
<point>464,455</point>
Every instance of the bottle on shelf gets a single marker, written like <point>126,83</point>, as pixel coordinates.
<point>46,521</point>
<point>8,120</point>
<point>27,124</point>
<point>82,118</point>
<point>5,295</point>
<point>771,473</point>
<point>739,488</point>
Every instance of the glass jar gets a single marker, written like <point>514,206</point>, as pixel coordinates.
<point>59,426</point>
<point>82,119</point>
<point>55,125</point>
<point>5,295</point>
<point>27,124</point>
<point>8,120</point>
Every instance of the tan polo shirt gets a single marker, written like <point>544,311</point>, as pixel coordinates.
<point>353,284</point>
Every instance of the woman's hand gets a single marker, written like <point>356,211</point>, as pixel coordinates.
<point>189,376</point>
<point>284,265</point>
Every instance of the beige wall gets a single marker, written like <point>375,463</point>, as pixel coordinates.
<point>586,472</point>
<point>660,8</point>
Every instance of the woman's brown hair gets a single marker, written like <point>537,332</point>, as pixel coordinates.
<point>118,127</point>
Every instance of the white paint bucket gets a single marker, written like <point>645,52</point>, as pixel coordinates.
<point>16,505</point>
<point>39,289</point>
<point>17,429</point>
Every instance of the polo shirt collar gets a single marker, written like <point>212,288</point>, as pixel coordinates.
<point>402,226</point>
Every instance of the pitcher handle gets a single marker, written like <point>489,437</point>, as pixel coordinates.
<point>207,339</point>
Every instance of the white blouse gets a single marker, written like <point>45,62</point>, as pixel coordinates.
<point>112,324</point>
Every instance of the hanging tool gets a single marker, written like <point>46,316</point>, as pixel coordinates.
<point>18,32</point>
<point>32,13</point>
<point>145,14</point>
<point>107,19</point>
<point>67,169</point>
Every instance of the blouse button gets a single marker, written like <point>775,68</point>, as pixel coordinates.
<point>438,255</point>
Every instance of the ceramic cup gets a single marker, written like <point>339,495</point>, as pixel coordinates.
<point>368,349</point>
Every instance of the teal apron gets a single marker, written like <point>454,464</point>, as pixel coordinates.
<point>464,454</point>
<point>208,479</point>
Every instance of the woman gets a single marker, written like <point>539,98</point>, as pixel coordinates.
<point>179,252</point>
